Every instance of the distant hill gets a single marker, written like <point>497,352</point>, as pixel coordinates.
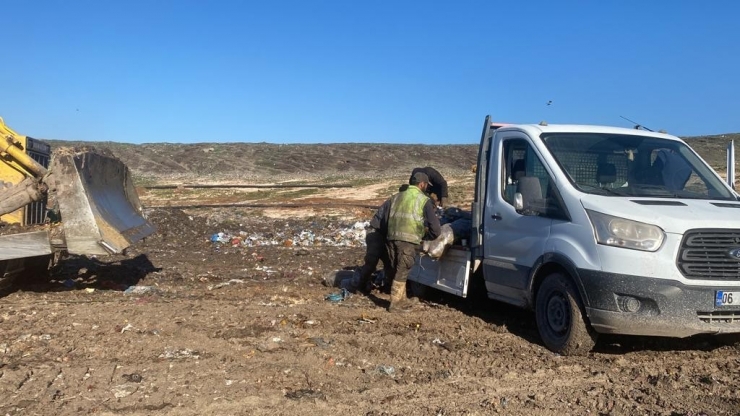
<point>167,162</point>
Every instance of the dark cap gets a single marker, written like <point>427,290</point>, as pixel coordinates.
<point>418,178</point>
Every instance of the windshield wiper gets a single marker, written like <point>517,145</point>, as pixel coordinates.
<point>599,190</point>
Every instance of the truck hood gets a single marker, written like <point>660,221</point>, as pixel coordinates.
<point>672,215</point>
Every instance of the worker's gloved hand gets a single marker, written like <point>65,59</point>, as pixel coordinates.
<point>443,202</point>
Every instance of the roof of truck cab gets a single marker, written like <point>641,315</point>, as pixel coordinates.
<point>537,129</point>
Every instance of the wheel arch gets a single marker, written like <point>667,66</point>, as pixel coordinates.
<point>548,264</point>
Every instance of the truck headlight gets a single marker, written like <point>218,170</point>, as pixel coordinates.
<point>621,232</point>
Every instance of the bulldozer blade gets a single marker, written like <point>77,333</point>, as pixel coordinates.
<point>18,246</point>
<point>100,209</point>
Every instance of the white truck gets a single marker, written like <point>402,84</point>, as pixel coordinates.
<point>598,230</point>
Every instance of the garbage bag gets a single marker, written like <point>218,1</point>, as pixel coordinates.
<point>436,247</point>
<point>461,228</point>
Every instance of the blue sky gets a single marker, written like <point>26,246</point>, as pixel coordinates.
<point>307,71</point>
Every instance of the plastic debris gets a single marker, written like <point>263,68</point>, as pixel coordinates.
<point>140,290</point>
<point>230,282</point>
<point>347,236</point>
<point>338,297</point>
<point>308,393</point>
<point>387,370</point>
<point>123,390</point>
<point>320,342</point>
<point>219,238</point>
<point>171,354</point>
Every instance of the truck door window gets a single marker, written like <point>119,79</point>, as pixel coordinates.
<point>524,173</point>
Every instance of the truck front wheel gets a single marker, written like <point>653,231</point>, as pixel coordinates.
<point>560,318</point>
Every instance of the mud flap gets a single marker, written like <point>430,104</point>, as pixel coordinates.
<point>450,273</point>
<point>101,212</point>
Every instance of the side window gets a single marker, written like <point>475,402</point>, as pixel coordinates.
<point>524,174</point>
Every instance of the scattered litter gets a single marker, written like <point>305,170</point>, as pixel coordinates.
<point>140,290</point>
<point>230,282</point>
<point>387,370</point>
<point>171,353</point>
<point>90,289</point>
<point>365,320</point>
<point>132,378</point>
<point>128,327</point>
<point>307,393</point>
<point>124,390</point>
<point>338,297</point>
<point>347,236</point>
<point>442,344</point>
<point>220,238</point>
<point>320,342</point>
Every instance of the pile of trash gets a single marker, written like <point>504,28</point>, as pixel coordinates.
<point>350,236</point>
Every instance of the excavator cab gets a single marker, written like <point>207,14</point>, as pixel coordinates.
<point>11,173</point>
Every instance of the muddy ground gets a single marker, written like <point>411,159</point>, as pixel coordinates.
<point>247,330</point>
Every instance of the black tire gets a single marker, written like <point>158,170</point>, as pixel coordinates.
<point>560,318</point>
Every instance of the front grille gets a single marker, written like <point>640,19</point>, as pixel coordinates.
<point>720,317</point>
<point>705,255</point>
<point>35,212</point>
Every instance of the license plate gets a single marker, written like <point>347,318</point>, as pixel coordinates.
<point>723,298</point>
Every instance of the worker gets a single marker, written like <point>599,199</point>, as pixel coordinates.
<point>437,185</point>
<point>376,248</point>
<point>411,218</point>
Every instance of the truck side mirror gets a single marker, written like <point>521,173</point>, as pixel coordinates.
<point>518,202</point>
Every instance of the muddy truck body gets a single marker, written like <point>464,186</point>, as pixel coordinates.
<point>94,193</point>
<point>597,230</point>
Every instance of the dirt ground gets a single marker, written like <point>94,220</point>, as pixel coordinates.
<point>217,329</point>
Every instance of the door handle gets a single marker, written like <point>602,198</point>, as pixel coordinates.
<point>496,217</point>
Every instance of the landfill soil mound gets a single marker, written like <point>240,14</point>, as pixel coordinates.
<point>180,163</point>
<point>225,312</point>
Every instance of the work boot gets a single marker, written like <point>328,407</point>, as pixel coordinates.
<point>399,301</point>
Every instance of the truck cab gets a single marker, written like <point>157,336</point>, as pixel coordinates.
<point>598,230</point>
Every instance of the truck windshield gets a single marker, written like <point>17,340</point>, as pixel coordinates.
<point>636,166</point>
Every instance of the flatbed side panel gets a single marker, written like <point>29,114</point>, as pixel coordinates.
<point>17,246</point>
<point>450,273</point>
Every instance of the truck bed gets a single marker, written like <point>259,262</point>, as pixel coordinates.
<point>449,273</point>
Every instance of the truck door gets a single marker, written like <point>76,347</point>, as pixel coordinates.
<point>514,240</point>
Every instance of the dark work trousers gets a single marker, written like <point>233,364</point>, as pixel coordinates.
<point>376,251</point>
<point>401,254</point>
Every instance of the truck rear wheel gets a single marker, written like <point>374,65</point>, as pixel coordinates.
<point>560,318</point>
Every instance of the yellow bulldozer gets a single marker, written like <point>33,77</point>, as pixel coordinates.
<point>97,203</point>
